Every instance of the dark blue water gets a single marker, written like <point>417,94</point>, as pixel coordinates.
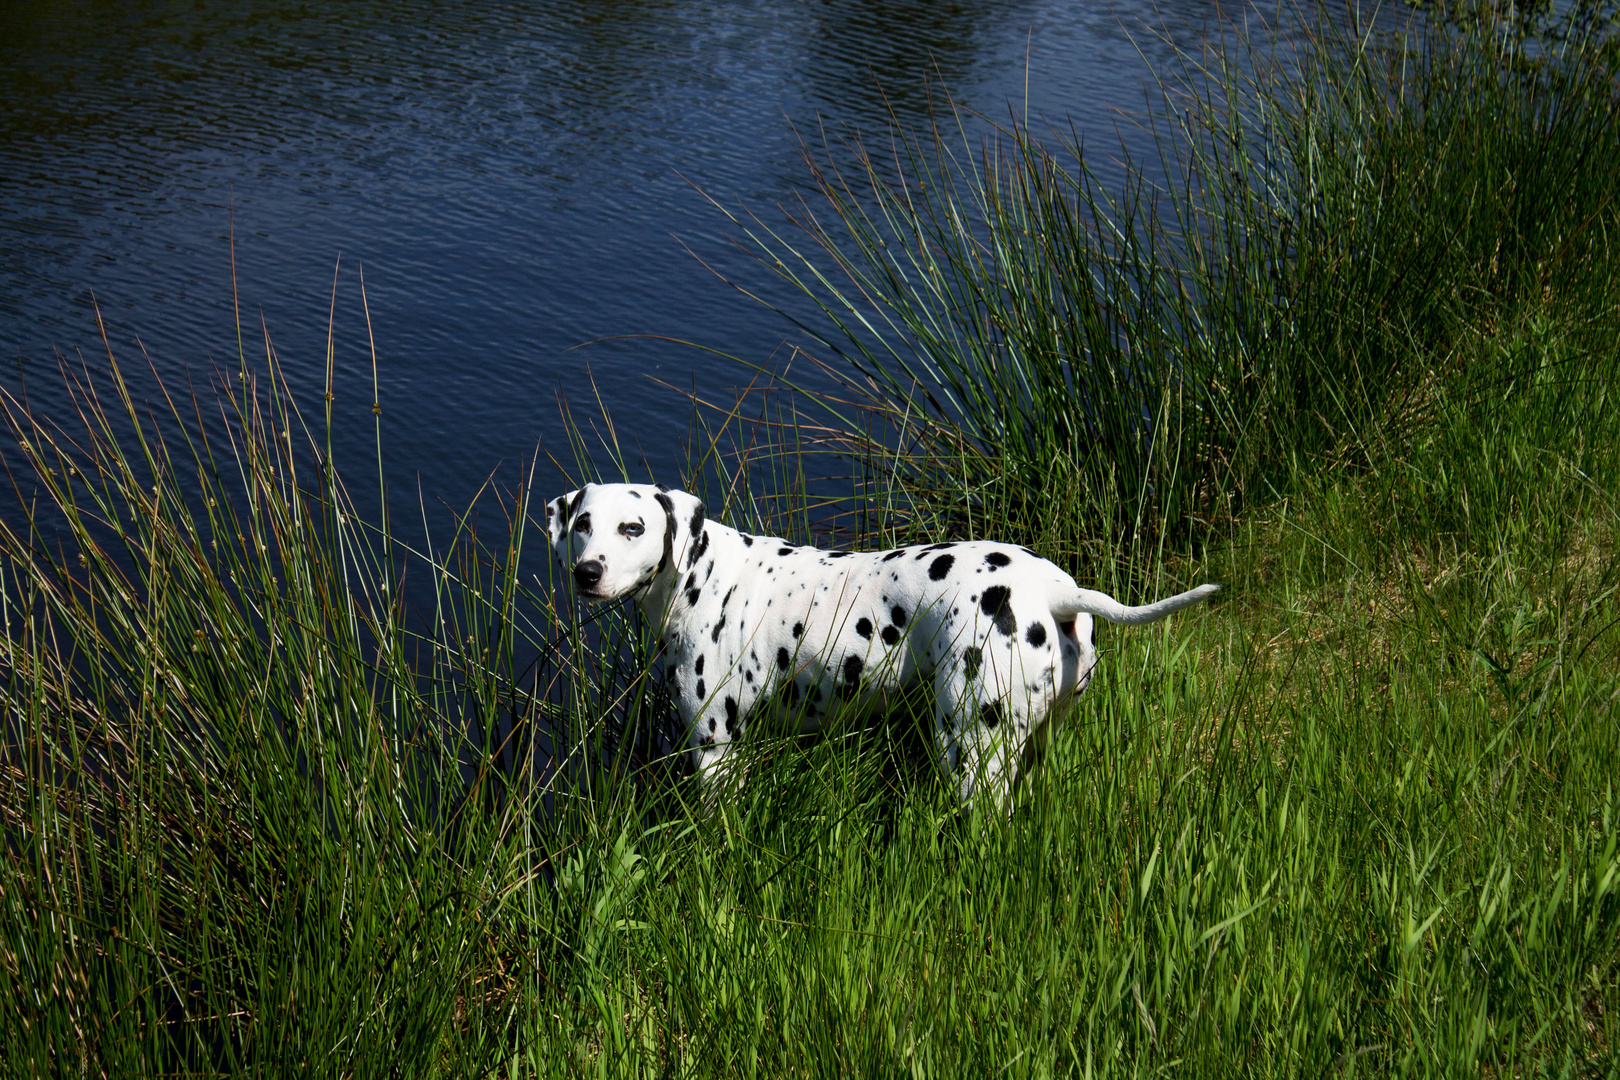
<point>518,184</point>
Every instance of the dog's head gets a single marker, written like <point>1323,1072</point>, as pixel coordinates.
<point>619,538</point>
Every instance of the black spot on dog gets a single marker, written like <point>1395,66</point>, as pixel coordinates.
<point>782,658</point>
<point>990,713</point>
<point>895,554</point>
<point>838,554</point>
<point>998,558</point>
<point>971,659</point>
<point>995,605</point>
<point>1028,552</point>
<point>852,672</point>
<point>702,544</point>
<point>784,551</point>
<point>798,630</point>
<point>864,628</point>
<point>697,668</point>
<point>731,711</point>
<point>715,636</point>
<point>726,599</point>
<point>748,541</point>
<point>634,494</point>
<point>940,567</point>
<point>712,725</point>
<point>692,596</point>
<point>749,675</point>
<point>940,547</point>
<point>700,694</point>
<point>1036,635</point>
<point>897,616</point>
<point>669,529</point>
<point>890,635</point>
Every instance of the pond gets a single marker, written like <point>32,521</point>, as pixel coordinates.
<point>524,188</point>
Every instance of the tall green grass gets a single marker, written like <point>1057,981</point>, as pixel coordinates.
<point>1359,818</point>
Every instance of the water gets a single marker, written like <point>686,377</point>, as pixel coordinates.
<point>517,183</point>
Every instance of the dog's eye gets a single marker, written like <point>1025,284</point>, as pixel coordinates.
<point>632,529</point>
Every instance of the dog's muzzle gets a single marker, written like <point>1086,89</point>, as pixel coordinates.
<point>588,575</point>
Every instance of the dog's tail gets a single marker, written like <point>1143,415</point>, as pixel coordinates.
<point>1091,602</point>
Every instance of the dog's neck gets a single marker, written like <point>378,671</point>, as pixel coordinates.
<point>664,599</point>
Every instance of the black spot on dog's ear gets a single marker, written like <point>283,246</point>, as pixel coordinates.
<point>864,628</point>
<point>996,606</point>
<point>579,497</point>
<point>1036,635</point>
<point>940,567</point>
<point>971,659</point>
<point>701,544</point>
<point>998,558</point>
<point>669,527</point>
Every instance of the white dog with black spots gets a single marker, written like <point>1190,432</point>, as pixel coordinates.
<point>749,623</point>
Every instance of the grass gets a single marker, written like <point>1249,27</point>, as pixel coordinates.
<point>1357,818</point>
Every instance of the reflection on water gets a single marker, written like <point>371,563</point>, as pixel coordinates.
<point>516,181</point>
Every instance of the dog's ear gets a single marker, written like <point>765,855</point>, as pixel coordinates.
<point>684,515</point>
<point>560,510</point>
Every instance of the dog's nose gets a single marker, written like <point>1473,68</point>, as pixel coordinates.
<point>588,574</point>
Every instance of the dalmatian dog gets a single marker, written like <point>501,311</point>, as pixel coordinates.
<point>753,624</point>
